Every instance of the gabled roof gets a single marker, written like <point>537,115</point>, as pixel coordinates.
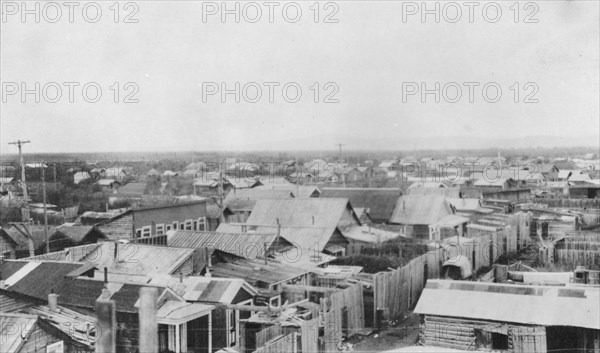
<point>246,245</point>
<point>523,304</point>
<point>379,202</point>
<point>420,210</point>
<point>311,212</point>
<point>579,176</point>
<point>75,232</point>
<point>19,233</point>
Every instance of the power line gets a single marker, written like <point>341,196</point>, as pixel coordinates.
<point>340,146</point>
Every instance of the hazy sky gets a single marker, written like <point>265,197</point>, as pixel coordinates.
<point>368,56</point>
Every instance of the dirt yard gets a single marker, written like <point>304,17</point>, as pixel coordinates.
<point>398,335</point>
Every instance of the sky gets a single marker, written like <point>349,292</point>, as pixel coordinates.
<point>369,61</point>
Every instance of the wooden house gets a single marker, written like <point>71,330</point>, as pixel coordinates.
<point>66,236</point>
<point>334,214</point>
<point>421,216</point>
<point>510,317</point>
<point>149,225</point>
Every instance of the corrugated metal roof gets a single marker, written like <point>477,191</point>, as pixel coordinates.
<point>539,305</point>
<point>246,245</point>
<point>420,210</point>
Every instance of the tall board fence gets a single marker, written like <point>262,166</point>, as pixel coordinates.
<point>395,292</point>
<point>570,203</point>
<point>281,344</point>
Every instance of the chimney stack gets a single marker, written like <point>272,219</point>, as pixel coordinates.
<point>53,300</point>
<point>116,255</point>
<point>105,277</point>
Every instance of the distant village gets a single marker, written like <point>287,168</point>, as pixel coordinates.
<point>234,255</point>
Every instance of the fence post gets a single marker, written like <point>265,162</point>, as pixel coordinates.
<point>107,323</point>
<point>147,317</point>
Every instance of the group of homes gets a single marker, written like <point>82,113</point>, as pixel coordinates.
<point>239,272</point>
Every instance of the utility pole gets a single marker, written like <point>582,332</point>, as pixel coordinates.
<point>20,144</point>
<point>45,214</point>
<point>340,146</point>
<point>222,217</point>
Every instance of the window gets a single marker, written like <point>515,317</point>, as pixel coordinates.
<point>274,302</point>
<point>160,229</point>
<point>499,341</point>
<point>138,233</point>
<point>182,226</point>
<point>146,231</point>
<point>188,224</point>
<point>202,223</point>
<point>175,225</point>
<point>168,227</point>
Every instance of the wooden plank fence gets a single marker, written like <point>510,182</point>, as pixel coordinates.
<point>268,334</point>
<point>395,292</point>
<point>350,301</point>
<point>281,344</point>
<point>570,203</point>
<point>309,331</point>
